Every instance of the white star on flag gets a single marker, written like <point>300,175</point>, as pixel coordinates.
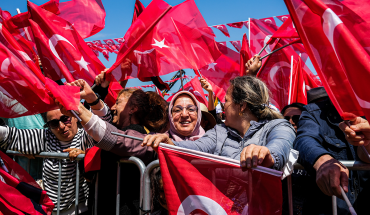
<point>82,63</point>
<point>159,44</point>
<point>212,66</point>
<point>68,27</point>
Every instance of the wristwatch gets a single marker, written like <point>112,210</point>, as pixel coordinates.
<point>96,101</point>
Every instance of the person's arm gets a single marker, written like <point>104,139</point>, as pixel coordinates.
<point>279,142</point>
<point>207,143</point>
<point>25,141</point>
<point>330,173</point>
<point>208,87</point>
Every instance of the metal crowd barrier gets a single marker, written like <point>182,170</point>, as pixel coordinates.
<point>58,156</point>
<point>145,189</point>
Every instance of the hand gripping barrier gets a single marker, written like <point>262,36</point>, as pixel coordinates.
<point>58,156</point>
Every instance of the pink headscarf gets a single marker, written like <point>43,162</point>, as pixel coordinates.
<point>198,131</point>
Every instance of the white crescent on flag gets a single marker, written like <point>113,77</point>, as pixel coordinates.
<point>274,70</point>
<point>194,202</point>
<point>5,65</point>
<point>53,41</point>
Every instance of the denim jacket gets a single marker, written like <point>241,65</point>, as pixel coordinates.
<point>277,135</point>
<point>318,134</point>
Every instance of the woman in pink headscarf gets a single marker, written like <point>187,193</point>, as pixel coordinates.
<point>185,117</point>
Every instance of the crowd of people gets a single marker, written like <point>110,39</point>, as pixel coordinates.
<point>245,128</point>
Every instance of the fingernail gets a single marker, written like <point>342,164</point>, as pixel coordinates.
<point>243,164</point>
<point>254,163</point>
<point>249,166</point>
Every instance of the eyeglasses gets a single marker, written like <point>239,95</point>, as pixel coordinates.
<point>295,118</point>
<point>55,122</point>
<point>191,109</point>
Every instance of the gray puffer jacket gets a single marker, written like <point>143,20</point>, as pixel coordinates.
<point>277,135</point>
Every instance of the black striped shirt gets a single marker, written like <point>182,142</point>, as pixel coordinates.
<point>34,141</point>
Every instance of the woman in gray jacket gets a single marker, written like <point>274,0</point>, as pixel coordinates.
<point>253,133</point>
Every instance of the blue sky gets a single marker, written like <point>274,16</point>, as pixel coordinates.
<point>119,16</point>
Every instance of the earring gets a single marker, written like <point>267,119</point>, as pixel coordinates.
<point>241,113</point>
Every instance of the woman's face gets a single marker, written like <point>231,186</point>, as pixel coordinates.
<point>231,109</point>
<point>184,115</point>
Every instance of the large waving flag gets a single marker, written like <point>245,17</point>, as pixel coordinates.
<point>219,73</point>
<point>335,35</point>
<point>63,53</point>
<point>245,55</point>
<point>165,39</point>
<point>201,183</point>
<point>20,194</point>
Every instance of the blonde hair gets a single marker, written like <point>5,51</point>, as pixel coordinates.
<point>253,92</point>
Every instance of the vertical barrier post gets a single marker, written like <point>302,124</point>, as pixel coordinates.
<point>96,194</point>
<point>118,187</point>
<point>334,204</point>
<point>290,195</point>
<point>146,186</point>
<point>59,185</point>
<point>29,166</point>
<point>77,187</point>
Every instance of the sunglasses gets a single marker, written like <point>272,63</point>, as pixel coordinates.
<point>295,118</point>
<point>55,122</point>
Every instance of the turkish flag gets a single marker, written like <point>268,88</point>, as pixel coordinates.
<point>236,24</point>
<point>237,44</point>
<point>286,30</point>
<point>223,29</point>
<point>225,68</point>
<point>261,31</point>
<point>87,16</point>
<point>63,53</point>
<point>105,54</point>
<point>163,40</point>
<point>298,86</point>
<point>139,8</point>
<point>111,44</point>
<point>270,21</point>
<point>20,194</point>
<point>283,18</point>
<point>22,92</point>
<point>245,55</point>
<point>201,183</point>
<point>335,35</point>
<point>120,40</point>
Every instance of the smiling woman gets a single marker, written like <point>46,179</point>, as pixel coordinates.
<point>185,117</point>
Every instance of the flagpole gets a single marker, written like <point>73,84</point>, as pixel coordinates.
<point>291,74</point>
<point>182,81</point>
<point>350,207</point>
<point>259,53</point>
<point>249,32</point>
<point>276,50</point>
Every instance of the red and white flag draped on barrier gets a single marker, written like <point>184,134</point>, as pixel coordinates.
<point>236,24</point>
<point>276,71</point>
<point>283,18</point>
<point>163,40</point>
<point>20,194</point>
<point>223,29</point>
<point>225,68</point>
<point>87,16</point>
<point>63,53</point>
<point>237,44</point>
<point>245,55</point>
<point>260,34</point>
<point>201,183</point>
<point>196,89</point>
<point>335,35</point>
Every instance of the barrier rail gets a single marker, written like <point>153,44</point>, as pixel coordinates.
<point>145,189</point>
<point>59,156</point>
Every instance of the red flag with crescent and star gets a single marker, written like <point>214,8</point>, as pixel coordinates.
<point>336,37</point>
<point>164,39</point>
<point>63,53</point>
<point>200,183</point>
